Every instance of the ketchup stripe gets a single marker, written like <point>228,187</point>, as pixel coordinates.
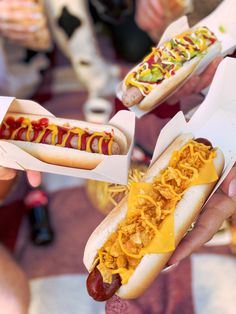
<point>60,134</point>
<point>83,141</point>
<point>105,144</point>
<point>45,135</point>
<point>2,129</point>
<point>68,140</point>
<point>36,134</point>
<point>39,129</point>
<point>20,133</point>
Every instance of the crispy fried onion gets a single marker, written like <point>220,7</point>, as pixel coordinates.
<point>124,249</point>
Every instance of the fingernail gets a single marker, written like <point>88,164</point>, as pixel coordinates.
<point>232,188</point>
<point>34,180</point>
<point>169,268</point>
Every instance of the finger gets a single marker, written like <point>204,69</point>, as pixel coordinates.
<point>18,17</point>
<point>147,18</point>
<point>157,8</point>
<point>7,174</point>
<point>18,5</point>
<point>16,36</point>
<point>229,184</point>
<point>13,3</point>
<point>13,27</point>
<point>232,220</point>
<point>34,178</point>
<point>144,23</point>
<point>186,89</point>
<point>197,83</point>
<point>208,74</point>
<point>219,208</point>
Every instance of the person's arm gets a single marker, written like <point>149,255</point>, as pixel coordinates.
<point>73,31</point>
<point>221,206</point>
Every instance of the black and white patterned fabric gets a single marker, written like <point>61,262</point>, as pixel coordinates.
<point>72,29</point>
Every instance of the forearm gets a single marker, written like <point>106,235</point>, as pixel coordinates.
<point>14,287</point>
<point>73,31</point>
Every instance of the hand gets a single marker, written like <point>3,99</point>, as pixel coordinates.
<point>197,83</point>
<point>34,177</point>
<point>153,16</point>
<point>21,21</point>
<point>221,206</point>
<point>149,15</point>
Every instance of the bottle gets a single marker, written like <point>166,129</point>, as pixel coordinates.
<point>36,203</point>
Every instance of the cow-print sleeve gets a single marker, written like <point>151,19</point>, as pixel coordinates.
<point>73,31</point>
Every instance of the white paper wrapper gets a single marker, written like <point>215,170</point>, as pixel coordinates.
<point>215,119</point>
<point>222,22</point>
<point>223,17</point>
<point>112,168</point>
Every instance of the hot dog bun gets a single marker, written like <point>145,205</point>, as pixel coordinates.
<point>65,156</point>
<point>159,90</point>
<point>187,209</point>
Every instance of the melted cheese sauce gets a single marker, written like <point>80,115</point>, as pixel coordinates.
<point>149,224</point>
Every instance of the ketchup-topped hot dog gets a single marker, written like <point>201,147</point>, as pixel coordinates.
<point>166,67</point>
<point>64,142</point>
<point>137,238</point>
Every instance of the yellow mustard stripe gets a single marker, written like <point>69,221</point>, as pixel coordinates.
<point>110,146</point>
<point>26,123</point>
<point>188,43</point>
<point>100,141</point>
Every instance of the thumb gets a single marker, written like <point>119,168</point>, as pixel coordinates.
<point>34,178</point>
<point>229,184</point>
<point>7,174</point>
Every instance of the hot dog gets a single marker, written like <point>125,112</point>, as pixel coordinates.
<point>61,141</point>
<point>166,67</point>
<point>132,245</point>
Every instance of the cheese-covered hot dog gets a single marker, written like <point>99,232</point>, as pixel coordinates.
<point>166,67</point>
<point>134,242</point>
<point>63,136</point>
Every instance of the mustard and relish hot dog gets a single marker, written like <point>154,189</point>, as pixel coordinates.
<point>61,141</point>
<point>166,67</point>
<point>132,245</point>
